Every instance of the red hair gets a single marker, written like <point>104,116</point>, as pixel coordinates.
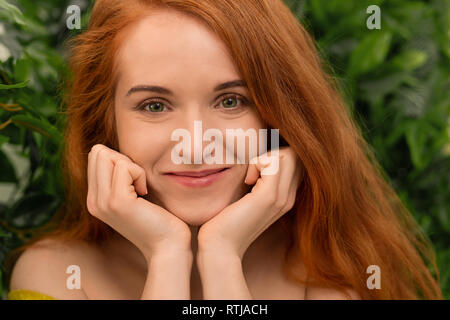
<point>346,217</point>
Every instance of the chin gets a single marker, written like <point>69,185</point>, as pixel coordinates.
<point>195,211</point>
<point>196,215</point>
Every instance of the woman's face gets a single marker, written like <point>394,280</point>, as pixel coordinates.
<point>178,53</point>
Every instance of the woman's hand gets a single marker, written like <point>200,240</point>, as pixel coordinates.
<point>233,230</point>
<point>114,182</point>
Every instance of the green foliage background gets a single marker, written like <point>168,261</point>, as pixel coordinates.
<point>396,81</point>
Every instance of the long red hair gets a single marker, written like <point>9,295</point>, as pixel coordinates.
<point>346,217</point>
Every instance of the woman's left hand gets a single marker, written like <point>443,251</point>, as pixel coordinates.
<point>238,225</point>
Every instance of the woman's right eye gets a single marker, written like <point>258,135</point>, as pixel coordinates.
<point>154,106</point>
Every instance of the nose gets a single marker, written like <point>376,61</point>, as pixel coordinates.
<point>200,144</point>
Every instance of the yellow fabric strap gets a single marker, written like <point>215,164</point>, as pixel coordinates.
<point>21,294</point>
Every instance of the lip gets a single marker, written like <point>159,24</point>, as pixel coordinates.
<point>197,178</point>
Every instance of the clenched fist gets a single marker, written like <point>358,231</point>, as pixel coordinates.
<point>114,183</point>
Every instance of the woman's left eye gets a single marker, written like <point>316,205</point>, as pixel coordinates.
<point>231,102</point>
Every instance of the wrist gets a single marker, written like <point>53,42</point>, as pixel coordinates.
<point>170,257</point>
<point>165,247</point>
<point>216,259</point>
<point>222,276</point>
<point>168,251</point>
<point>218,250</point>
<point>168,275</point>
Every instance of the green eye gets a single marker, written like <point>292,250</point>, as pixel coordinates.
<point>155,107</point>
<point>229,102</point>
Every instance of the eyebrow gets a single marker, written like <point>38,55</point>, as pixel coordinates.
<point>162,90</point>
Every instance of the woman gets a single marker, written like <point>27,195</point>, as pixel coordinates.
<point>139,226</point>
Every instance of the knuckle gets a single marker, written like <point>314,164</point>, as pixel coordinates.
<point>122,156</point>
<point>91,205</point>
<point>290,203</point>
<point>140,169</point>
<point>102,152</point>
<point>121,163</point>
<point>96,147</point>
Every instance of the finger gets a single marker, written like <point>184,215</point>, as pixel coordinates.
<point>292,193</point>
<point>139,176</point>
<point>105,168</point>
<point>256,167</point>
<point>289,199</point>
<point>287,187</point>
<point>115,156</point>
<point>288,172</point>
<point>252,174</point>
<point>128,178</point>
<point>265,184</point>
<point>139,179</point>
<point>92,179</point>
<point>141,183</point>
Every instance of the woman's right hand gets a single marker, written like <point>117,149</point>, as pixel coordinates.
<point>114,182</point>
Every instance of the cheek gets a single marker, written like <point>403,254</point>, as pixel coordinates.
<point>144,143</point>
<point>249,123</point>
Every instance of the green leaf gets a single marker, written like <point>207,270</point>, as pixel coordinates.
<point>27,99</point>
<point>22,69</point>
<point>416,139</point>
<point>7,172</point>
<point>396,133</point>
<point>409,60</point>
<point>318,11</point>
<point>39,125</point>
<point>370,53</point>
<point>377,88</point>
<point>32,210</point>
<point>13,86</point>
<point>396,27</point>
<point>11,12</point>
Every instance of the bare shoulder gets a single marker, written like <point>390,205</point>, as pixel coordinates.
<point>48,264</point>
<point>319,293</point>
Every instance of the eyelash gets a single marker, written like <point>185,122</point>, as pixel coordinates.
<point>244,102</point>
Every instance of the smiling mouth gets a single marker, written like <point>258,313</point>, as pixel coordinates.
<point>197,174</point>
<point>197,179</point>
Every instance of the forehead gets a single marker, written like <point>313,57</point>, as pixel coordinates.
<point>171,44</point>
